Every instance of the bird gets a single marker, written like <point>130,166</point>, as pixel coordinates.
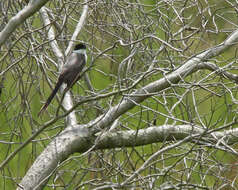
<point>71,72</point>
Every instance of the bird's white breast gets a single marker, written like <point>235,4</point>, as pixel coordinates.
<point>81,51</point>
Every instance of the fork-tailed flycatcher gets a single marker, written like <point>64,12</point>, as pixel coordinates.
<point>71,72</point>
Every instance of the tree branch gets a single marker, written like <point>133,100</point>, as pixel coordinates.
<point>163,133</point>
<point>20,17</point>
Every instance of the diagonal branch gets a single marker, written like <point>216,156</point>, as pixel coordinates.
<point>20,17</point>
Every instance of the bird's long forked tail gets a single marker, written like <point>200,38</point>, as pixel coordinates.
<point>43,108</point>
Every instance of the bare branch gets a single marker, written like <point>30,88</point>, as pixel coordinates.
<point>20,17</point>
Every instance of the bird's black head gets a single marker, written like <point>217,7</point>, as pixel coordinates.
<point>80,46</point>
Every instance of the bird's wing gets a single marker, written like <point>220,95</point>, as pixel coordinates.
<point>72,68</point>
<point>75,62</point>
